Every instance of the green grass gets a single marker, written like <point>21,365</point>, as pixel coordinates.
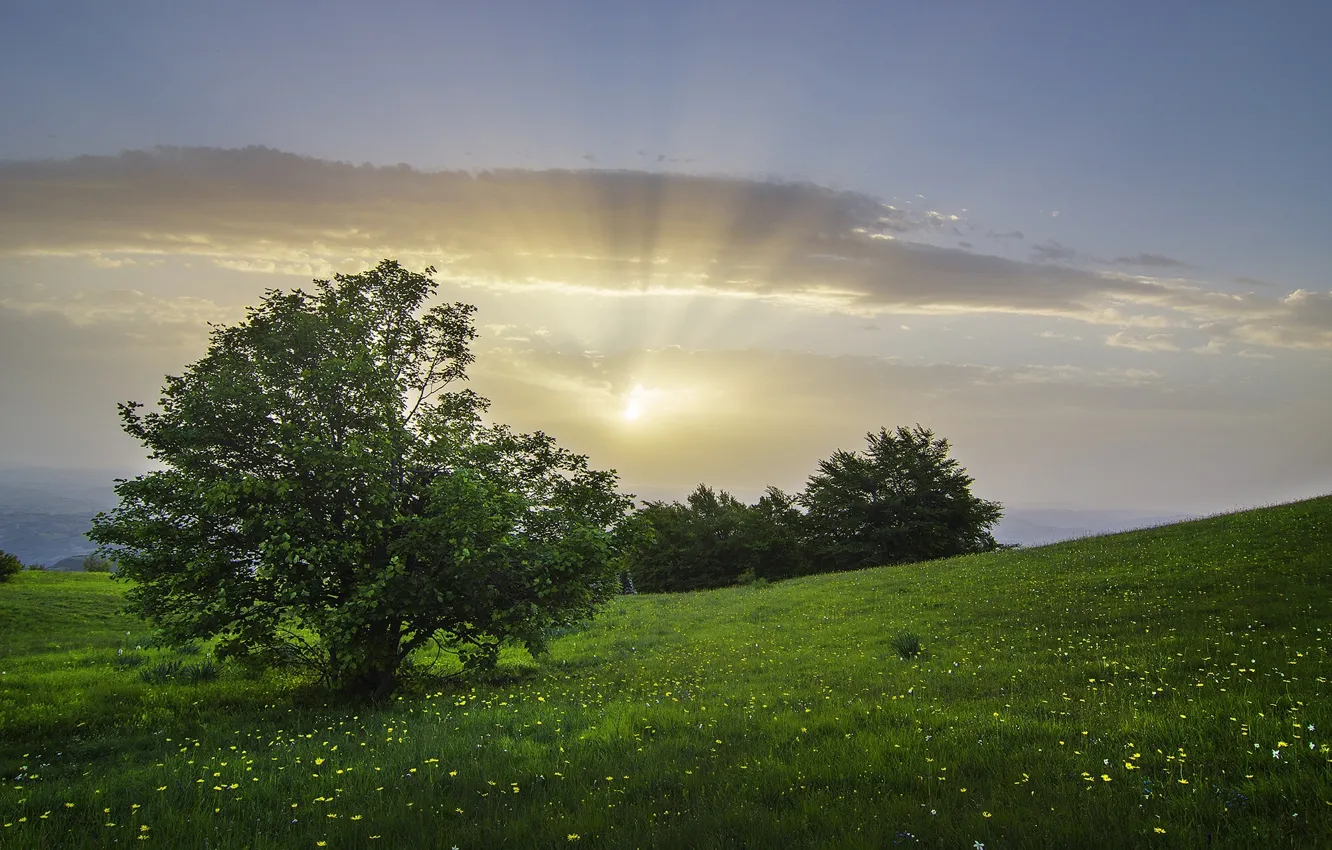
<point>1085,694</point>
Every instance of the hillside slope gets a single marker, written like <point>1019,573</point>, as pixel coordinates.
<point>1165,687</point>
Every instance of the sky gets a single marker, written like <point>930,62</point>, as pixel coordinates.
<point>710,242</point>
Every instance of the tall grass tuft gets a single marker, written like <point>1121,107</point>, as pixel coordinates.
<point>206,670</point>
<point>161,672</point>
<point>907,644</point>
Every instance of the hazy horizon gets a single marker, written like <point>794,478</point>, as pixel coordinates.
<point>44,513</point>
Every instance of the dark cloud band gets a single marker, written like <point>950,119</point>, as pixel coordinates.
<point>611,232</point>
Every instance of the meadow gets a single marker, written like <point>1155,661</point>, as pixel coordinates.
<point>1159,688</point>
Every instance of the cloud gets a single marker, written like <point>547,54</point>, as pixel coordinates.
<point>1302,319</point>
<point>1131,377</point>
<point>1053,252</point>
<point>1015,234</point>
<point>103,261</point>
<point>1036,374</point>
<point>1155,260</point>
<point>153,321</point>
<point>603,233</point>
<point>310,267</point>
<point>1148,342</point>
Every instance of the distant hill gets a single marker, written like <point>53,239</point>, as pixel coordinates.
<point>46,513</point>
<point>1038,526</point>
<point>45,538</point>
<point>72,564</point>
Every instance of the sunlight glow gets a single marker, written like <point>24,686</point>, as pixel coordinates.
<point>637,403</point>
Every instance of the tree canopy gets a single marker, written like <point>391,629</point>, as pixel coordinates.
<point>901,500</point>
<point>715,540</point>
<point>330,494</point>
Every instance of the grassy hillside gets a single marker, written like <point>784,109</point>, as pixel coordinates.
<point>1166,687</point>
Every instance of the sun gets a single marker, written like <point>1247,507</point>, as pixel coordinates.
<point>636,404</point>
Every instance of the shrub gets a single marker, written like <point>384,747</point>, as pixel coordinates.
<point>750,579</point>
<point>10,565</point>
<point>97,564</point>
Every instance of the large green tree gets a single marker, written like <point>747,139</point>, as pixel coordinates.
<point>329,493</point>
<point>901,500</point>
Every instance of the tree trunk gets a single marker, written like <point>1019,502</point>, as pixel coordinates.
<point>376,673</point>
<point>375,684</point>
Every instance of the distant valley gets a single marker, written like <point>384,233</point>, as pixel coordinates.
<point>45,513</point>
<point>1038,526</point>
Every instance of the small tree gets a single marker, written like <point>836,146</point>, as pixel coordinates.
<point>97,564</point>
<point>901,500</point>
<point>10,566</point>
<point>329,494</point>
